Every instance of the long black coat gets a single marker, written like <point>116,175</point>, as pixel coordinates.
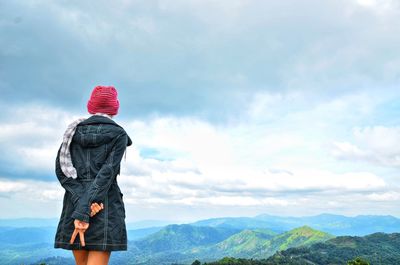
<point>97,148</point>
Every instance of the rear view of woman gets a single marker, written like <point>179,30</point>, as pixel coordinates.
<point>92,221</point>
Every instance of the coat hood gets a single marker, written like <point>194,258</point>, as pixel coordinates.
<point>87,137</point>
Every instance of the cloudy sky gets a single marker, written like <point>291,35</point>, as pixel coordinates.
<point>235,107</point>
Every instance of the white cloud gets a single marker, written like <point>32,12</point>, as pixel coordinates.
<point>384,196</point>
<point>382,7</point>
<point>383,140</point>
<point>30,140</point>
<point>11,186</point>
<point>282,97</point>
<point>210,167</point>
<point>368,3</point>
<point>377,144</point>
<point>235,182</point>
<point>32,190</point>
<point>198,164</point>
<point>193,139</point>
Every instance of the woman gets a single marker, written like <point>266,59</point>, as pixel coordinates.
<point>87,165</point>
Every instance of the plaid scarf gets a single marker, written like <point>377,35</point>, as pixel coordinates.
<point>65,156</point>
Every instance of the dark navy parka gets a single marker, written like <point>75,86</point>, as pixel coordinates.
<point>97,148</point>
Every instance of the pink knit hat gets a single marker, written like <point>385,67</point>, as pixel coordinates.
<point>103,100</point>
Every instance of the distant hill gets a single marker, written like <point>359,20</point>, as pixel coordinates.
<point>260,243</point>
<point>302,236</point>
<point>238,223</point>
<point>246,243</point>
<point>26,235</point>
<point>55,261</point>
<point>333,224</point>
<point>167,245</point>
<point>26,253</point>
<point>330,223</point>
<point>184,243</point>
<point>28,222</point>
<point>136,234</point>
<point>181,237</point>
<point>148,223</point>
<point>40,222</point>
<point>211,239</point>
<point>378,248</point>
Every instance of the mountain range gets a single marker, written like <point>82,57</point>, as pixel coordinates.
<point>377,248</point>
<point>334,224</point>
<point>208,240</point>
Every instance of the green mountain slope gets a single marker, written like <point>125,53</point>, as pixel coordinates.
<point>301,236</point>
<point>181,237</point>
<point>378,248</point>
<point>259,243</point>
<point>244,244</point>
<point>246,241</point>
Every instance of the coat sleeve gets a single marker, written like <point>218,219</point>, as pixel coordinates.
<point>97,190</point>
<point>73,186</point>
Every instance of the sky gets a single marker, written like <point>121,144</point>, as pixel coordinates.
<point>234,107</point>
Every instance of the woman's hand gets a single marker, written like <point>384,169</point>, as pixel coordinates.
<point>95,208</point>
<point>80,228</point>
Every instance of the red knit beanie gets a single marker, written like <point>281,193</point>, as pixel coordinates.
<point>103,100</point>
